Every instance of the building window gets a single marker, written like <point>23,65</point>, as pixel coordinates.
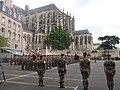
<point>9,23</point>
<point>19,18</point>
<point>3,20</point>
<point>3,31</point>
<point>89,39</point>
<point>10,11</point>
<point>16,46</point>
<point>14,36</point>
<point>3,8</point>
<point>14,26</point>
<point>39,38</point>
<point>18,37</point>
<point>9,34</point>
<point>28,38</point>
<point>15,15</point>
<point>81,40</point>
<point>19,28</point>
<point>24,37</point>
<point>85,39</point>
<point>76,41</point>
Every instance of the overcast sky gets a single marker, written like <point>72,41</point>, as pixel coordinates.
<point>100,17</point>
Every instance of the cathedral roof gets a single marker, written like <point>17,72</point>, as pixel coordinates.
<point>44,8</point>
<point>26,29</point>
<point>19,10</point>
<point>36,10</point>
<point>81,32</point>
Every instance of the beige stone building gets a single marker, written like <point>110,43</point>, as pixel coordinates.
<point>10,24</point>
<point>83,40</point>
<point>27,29</point>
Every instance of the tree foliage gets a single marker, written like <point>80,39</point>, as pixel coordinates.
<point>59,39</point>
<point>109,42</point>
<point>4,42</point>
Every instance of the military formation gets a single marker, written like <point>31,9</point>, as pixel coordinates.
<point>41,63</point>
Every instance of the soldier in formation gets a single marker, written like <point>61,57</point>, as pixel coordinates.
<point>40,68</point>
<point>62,68</point>
<point>85,69</point>
<point>109,68</point>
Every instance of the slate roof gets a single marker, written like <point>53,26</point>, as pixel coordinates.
<point>39,9</point>
<point>26,29</point>
<point>19,10</point>
<point>44,8</point>
<point>81,32</point>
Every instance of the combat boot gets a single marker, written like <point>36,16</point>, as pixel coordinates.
<point>61,84</point>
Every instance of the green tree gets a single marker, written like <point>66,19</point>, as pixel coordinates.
<point>58,39</point>
<point>109,42</point>
<point>4,42</point>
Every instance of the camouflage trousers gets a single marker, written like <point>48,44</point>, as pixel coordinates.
<point>85,76</point>
<point>40,75</point>
<point>61,77</point>
<point>110,80</point>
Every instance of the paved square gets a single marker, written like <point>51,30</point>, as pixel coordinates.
<point>18,79</point>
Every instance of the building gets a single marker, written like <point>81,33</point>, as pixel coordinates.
<point>37,24</point>
<point>27,29</point>
<point>10,25</point>
<point>83,40</point>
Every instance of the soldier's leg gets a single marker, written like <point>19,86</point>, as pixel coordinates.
<point>61,80</point>
<point>85,81</point>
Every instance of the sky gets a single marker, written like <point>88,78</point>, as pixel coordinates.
<point>100,17</point>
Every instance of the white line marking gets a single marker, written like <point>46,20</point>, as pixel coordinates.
<point>21,76</point>
<point>76,87</point>
<point>28,75</point>
<point>37,84</point>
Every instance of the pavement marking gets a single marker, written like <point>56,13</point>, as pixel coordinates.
<point>76,87</point>
<point>28,75</point>
<point>21,76</point>
<point>24,83</point>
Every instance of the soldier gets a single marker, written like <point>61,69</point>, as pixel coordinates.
<point>85,69</point>
<point>62,68</point>
<point>109,68</point>
<point>40,67</point>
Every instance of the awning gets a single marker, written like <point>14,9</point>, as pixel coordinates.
<point>13,51</point>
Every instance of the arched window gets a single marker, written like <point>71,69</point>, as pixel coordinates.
<point>76,41</point>
<point>85,39</point>
<point>9,34</point>
<point>81,40</point>
<point>89,39</point>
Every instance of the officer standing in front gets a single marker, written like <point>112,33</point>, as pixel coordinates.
<point>40,68</point>
<point>85,69</point>
<point>109,68</point>
<point>62,69</point>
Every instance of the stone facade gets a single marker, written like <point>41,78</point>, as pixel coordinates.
<point>37,24</point>
<point>83,40</point>
<point>10,25</point>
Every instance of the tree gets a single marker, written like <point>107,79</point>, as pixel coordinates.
<point>4,42</point>
<point>109,42</point>
<point>58,39</point>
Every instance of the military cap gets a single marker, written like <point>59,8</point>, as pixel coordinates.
<point>108,55</point>
<point>62,54</point>
<point>41,57</point>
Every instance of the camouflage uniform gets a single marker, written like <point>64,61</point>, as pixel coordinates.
<point>61,64</point>
<point>40,67</point>
<point>85,71</point>
<point>109,67</point>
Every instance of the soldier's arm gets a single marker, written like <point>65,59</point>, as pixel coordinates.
<point>105,70</point>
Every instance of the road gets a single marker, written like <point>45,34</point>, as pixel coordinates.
<point>17,79</point>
